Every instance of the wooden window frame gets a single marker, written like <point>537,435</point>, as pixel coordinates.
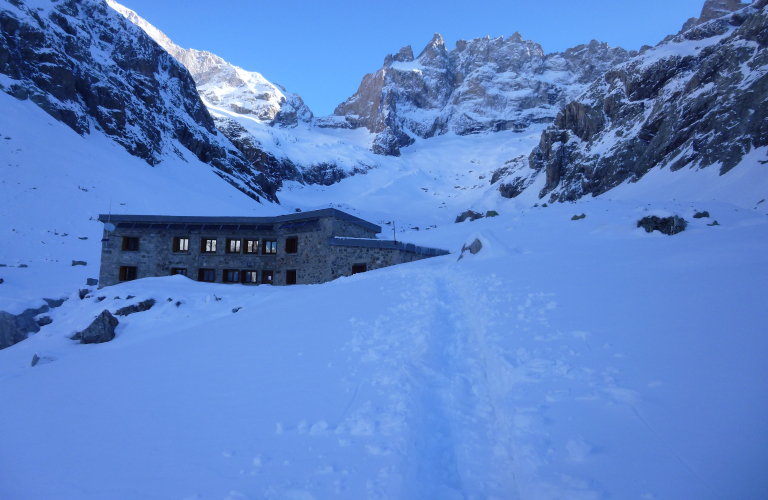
<point>272,244</point>
<point>245,272</point>
<point>254,246</point>
<point>177,244</point>
<point>358,266</point>
<point>292,245</point>
<point>128,273</point>
<point>203,245</point>
<point>201,275</point>
<point>235,278</point>
<point>127,240</point>
<point>290,277</point>
<point>229,243</point>
<point>267,277</point>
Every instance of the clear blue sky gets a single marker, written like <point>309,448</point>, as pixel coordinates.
<point>322,49</point>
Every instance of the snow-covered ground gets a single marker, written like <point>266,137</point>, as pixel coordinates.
<point>55,183</point>
<point>567,360</point>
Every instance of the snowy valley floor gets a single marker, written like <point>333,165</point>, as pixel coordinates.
<point>567,360</point>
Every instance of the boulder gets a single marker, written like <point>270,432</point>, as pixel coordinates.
<point>82,293</point>
<point>701,215</point>
<point>469,214</point>
<point>473,248</point>
<point>40,360</point>
<point>45,320</point>
<point>579,217</point>
<point>665,225</point>
<point>79,263</point>
<point>15,328</point>
<point>714,224</point>
<point>141,306</point>
<point>101,330</point>
<point>491,213</point>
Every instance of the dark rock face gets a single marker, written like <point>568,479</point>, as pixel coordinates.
<point>482,85</point>
<point>665,225</point>
<point>101,330</point>
<point>662,109</point>
<point>89,68</point>
<point>469,214</point>
<point>141,306</point>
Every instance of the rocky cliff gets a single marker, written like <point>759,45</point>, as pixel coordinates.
<point>481,85</point>
<point>224,84</point>
<point>697,100</point>
<point>88,67</point>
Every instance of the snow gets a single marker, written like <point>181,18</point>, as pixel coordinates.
<point>566,360</point>
<point>534,372</point>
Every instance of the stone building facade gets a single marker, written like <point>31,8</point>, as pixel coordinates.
<point>302,248</point>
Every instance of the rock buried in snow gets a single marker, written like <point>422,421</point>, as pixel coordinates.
<point>44,320</point>
<point>701,215</point>
<point>714,224</point>
<point>491,213</point>
<point>579,217</point>
<point>91,282</point>
<point>141,306</point>
<point>469,214</point>
<point>79,263</point>
<point>101,330</point>
<point>40,360</point>
<point>473,248</point>
<point>665,225</point>
<point>82,293</point>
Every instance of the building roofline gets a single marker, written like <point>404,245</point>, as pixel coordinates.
<point>325,212</point>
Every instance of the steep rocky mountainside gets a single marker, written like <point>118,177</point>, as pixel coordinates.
<point>482,85</point>
<point>224,84</point>
<point>88,67</point>
<point>699,99</point>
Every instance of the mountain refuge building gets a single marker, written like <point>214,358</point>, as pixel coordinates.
<point>301,248</point>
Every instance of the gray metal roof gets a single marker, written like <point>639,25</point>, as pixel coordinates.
<point>314,214</point>
<point>394,245</point>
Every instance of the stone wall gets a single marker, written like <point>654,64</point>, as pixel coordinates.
<point>323,252</point>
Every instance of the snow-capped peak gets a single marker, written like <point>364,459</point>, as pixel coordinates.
<point>226,85</point>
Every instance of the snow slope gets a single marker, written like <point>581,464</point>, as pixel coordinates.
<point>55,183</point>
<point>567,360</point>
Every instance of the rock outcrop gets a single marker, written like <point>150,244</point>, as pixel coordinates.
<point>665,225</point>
<point>698,99</point>
<point>89,68</point>
<point>101,330</point>
<point>16,327</point>
<point>482,85</point>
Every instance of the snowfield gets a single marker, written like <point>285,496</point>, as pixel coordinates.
<point>567,359</point>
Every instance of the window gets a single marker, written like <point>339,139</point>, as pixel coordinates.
<point>208,275</point>
<point>179,270</point>
<point>208,245</point>
<point>250,277</point>
<point>128,273</point>
<point>359,268</point>
<point>250,246</point>
<point>131,243</point>
<point>290,277</point>
<point>231,275</point>
<point>266,277</point>
<point>233,246</point>
<point>181,244</point>
<point>292,244</point>
<point>270,247</point>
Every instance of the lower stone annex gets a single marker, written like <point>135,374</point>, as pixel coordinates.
<point>302,248</point>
